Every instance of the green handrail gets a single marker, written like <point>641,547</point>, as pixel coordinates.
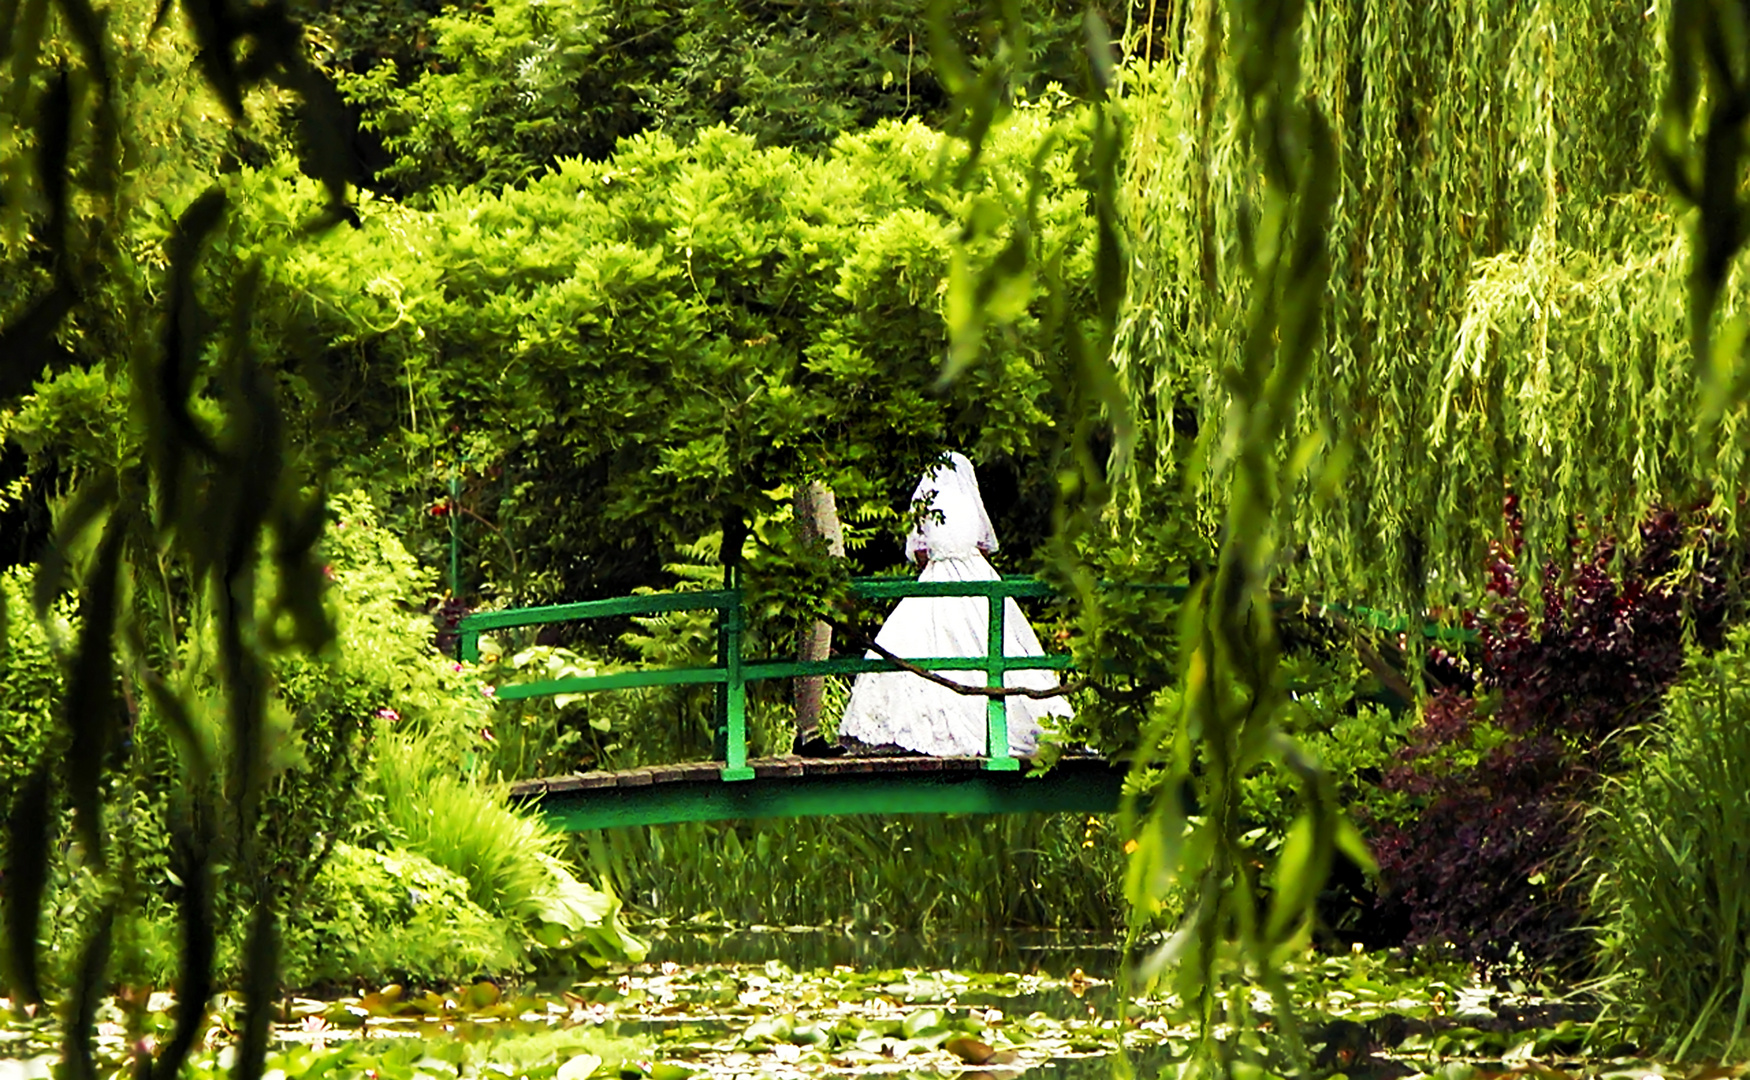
<point>733,673</point>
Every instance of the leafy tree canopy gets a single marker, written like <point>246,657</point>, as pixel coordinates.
<point>496,92</point>
<point>630,352</point>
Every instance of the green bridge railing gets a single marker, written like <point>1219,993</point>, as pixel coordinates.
<point>733,672</point>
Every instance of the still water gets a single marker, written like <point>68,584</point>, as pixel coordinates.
<point>1048,995</point>
<point>716,1003</point>
<point>787,1003</point>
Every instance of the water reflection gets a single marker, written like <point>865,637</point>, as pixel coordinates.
<point>1056,955</point>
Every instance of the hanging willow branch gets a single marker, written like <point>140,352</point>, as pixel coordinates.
<point>1702,148</point>
<point>214,497</point>
<point>1226,723</point>
<point>1506,311</point>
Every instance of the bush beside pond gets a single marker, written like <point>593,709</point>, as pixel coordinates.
<point>382,915</point>
<point>368,884</point>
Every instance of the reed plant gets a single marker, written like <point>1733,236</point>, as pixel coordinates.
<point>1671,844</point>
<point>911,873</point>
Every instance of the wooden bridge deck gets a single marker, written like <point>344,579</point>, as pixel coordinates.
<point>806,787</point>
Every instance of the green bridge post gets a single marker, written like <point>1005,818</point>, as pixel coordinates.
<point>735,766</point>
<point>996,709</point>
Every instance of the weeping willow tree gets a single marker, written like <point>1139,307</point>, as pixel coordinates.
<point>1511,312</point>
<point>1507,312</point>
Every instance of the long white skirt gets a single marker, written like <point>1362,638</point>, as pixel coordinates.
<point>919,715</point>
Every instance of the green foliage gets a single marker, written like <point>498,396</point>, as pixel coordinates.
<point>349,912</point>
<point>506,857</point>
<point>1232,695</point>
<point>185,506</point>
<point>925,874</point>
<point>497,94</point>
<point>1670,851</point>
<point>384,916</point>
<point>555,735</point>
<point>630,352</point>
<point>509,89</point>
<point>1700,143</point>
<point>166,117</point>
<point>1670,894</point>
<point>624,728</point>
<point>31,682</point>
<point>1507,311</point>
<point>1355,747</point>
<point>383,665</point>
<point>579,732</point>
<point>635,353</point>
<point>381,675</point>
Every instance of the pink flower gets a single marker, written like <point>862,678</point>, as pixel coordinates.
<point>457,666</point>
<point>317,1027</point>
<point>388,714</point>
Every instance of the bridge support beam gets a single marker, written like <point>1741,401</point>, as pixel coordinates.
<point>1073,786</point>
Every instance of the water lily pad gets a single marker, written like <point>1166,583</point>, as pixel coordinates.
<point>579,1067</point>
<point>920,1021</point>
<point>772,1029</point>
<point>968,1049</point>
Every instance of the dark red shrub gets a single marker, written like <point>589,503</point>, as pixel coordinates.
<point>1480,850</point>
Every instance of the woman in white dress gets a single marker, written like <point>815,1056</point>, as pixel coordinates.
<point>905,710</point>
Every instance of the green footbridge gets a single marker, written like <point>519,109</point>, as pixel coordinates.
<point>734,786</point>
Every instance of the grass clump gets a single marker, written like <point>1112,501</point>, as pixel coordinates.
<point>1672,847</point>
<point>508,857</point>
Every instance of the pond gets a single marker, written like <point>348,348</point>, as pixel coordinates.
<point>799,1003</point>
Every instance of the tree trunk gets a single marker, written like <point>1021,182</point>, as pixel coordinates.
<point>817,516</point>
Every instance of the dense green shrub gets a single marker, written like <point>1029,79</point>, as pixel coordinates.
<point>496,94</point>
<point>507,857</point>
<point>1357,742</point>
<point>1671,848</point>
<point>381,671</point>
<point>30,680</point>
<point>342,788</point>
<point>430,722</point>
<point>382,915</point>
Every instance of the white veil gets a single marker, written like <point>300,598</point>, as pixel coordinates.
<point>950,488</point>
